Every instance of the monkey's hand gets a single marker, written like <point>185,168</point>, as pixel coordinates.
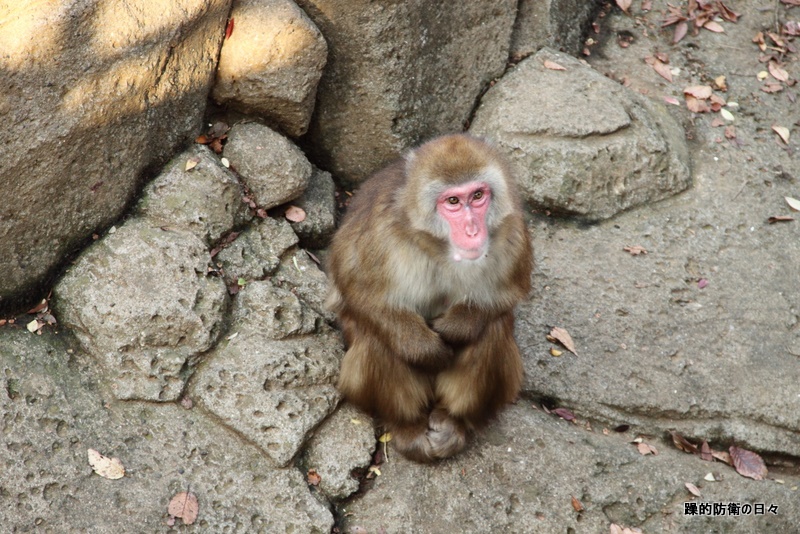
<point>461,325</point>
<point>422,347</point>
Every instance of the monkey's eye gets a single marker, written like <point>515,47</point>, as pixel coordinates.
<point>452,200</point>
<point>477,195</point>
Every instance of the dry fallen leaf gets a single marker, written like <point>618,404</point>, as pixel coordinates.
<point>563,337</point>
<point>682,444</point>
<point>698,91</point>
<point>793,203</point>
<point>184,505</point>
<point>680,31</point>
<point>777,72</point>
<point>772,87</point>
<point>692,489</point>
<point>191,163</point>
<point>780,218</point>
<point>645,449</point>
<point>715,27</point>
<point>577,505</point>
<point>747,463</point>
<point>555,352</point>
<point>564,414</point>
<point>624,5</point>
<point>783,133</point>
<point>635,250</point>
<point>313,478</point>
<point>720,83</point>
<point>695,105</point>
<point>552,65</point>
<point>661,68</point>
<point>705,452</point>
<point>295,214</point>
<point>110,468</point>
<point>727,115</point>
<point>722,456</point>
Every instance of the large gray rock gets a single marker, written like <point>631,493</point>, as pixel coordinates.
<point>319,203</point>
<point>206,199</point>
<point>274,169</point>
<point>140,301</point>
<point>271,390</point>
<point>257,251</point>
<point>399,72</point>
<point>580,143</point>
<point>94,94</point>
<point>271,64</point>
<point>343,443</point>
<point>55,406</point>
<point>559,24</point>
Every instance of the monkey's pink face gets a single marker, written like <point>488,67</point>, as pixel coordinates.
<point>464,208</point>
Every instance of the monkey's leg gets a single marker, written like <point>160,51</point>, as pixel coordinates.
<point>437,436</point>
<point>486,376</point>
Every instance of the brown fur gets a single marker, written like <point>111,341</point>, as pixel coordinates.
<point>431,350</point>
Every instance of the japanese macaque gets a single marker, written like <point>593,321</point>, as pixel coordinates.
<point>426,269</point>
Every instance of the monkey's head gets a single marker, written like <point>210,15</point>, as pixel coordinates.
<point>460,191</point>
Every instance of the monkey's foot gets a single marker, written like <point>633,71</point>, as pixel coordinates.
<point>442,437</point>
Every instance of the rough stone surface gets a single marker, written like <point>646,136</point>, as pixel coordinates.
<point>257,251</point>
<point>299,273</point>
<point>274,169</point>
<point>344,442</point>
<point>400,72</point>
<point>523,472</point>
<point>591,147</point>
<point>559,24</point>
<point>94,93</point>
<point>701,333</point>
<point>273,393</point>
<point>140,302</point>
<point>319,203</point>
<point>206,199</point>
<point>271,64</point>
<point>55,406</point>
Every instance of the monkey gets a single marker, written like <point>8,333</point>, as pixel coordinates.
<point>426,268</point>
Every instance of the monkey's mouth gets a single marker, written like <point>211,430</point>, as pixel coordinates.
<point>459,254</point>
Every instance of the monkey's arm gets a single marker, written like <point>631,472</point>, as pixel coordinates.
<point>405,334</point>
<point>462,324</point>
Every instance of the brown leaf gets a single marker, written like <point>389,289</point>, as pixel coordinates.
<point>635,250</point>
<point>692,489</point>
<point>772,87</point>
<point>184,505</point>
<point>624,5</point>
<point>715,27</point>
<point>759,40</point>
<point>552,65</point>
<point>229,29</point>
<point>727,13</point>
<point>720,83</point>
<point>783,132</point>
<point>722,456</point>
<point>680,32</point>
<point>747,463</point>
<point>777,72</point>
<point>695,105</point>
<point>705,452</point>
<point>730,132</point>
<point>576,504</point>
<point>313,478</point>
<point>563,337</point>
<point>295,214</point>
<point>645,449</point>
<point>39,307</point>
<point>717,122</point>
<point>780,218</point>
<point>564,414</point>
<point>682,444</point>
<point>110,468</point>
<point>698,91</point>
<point>662,69</point>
